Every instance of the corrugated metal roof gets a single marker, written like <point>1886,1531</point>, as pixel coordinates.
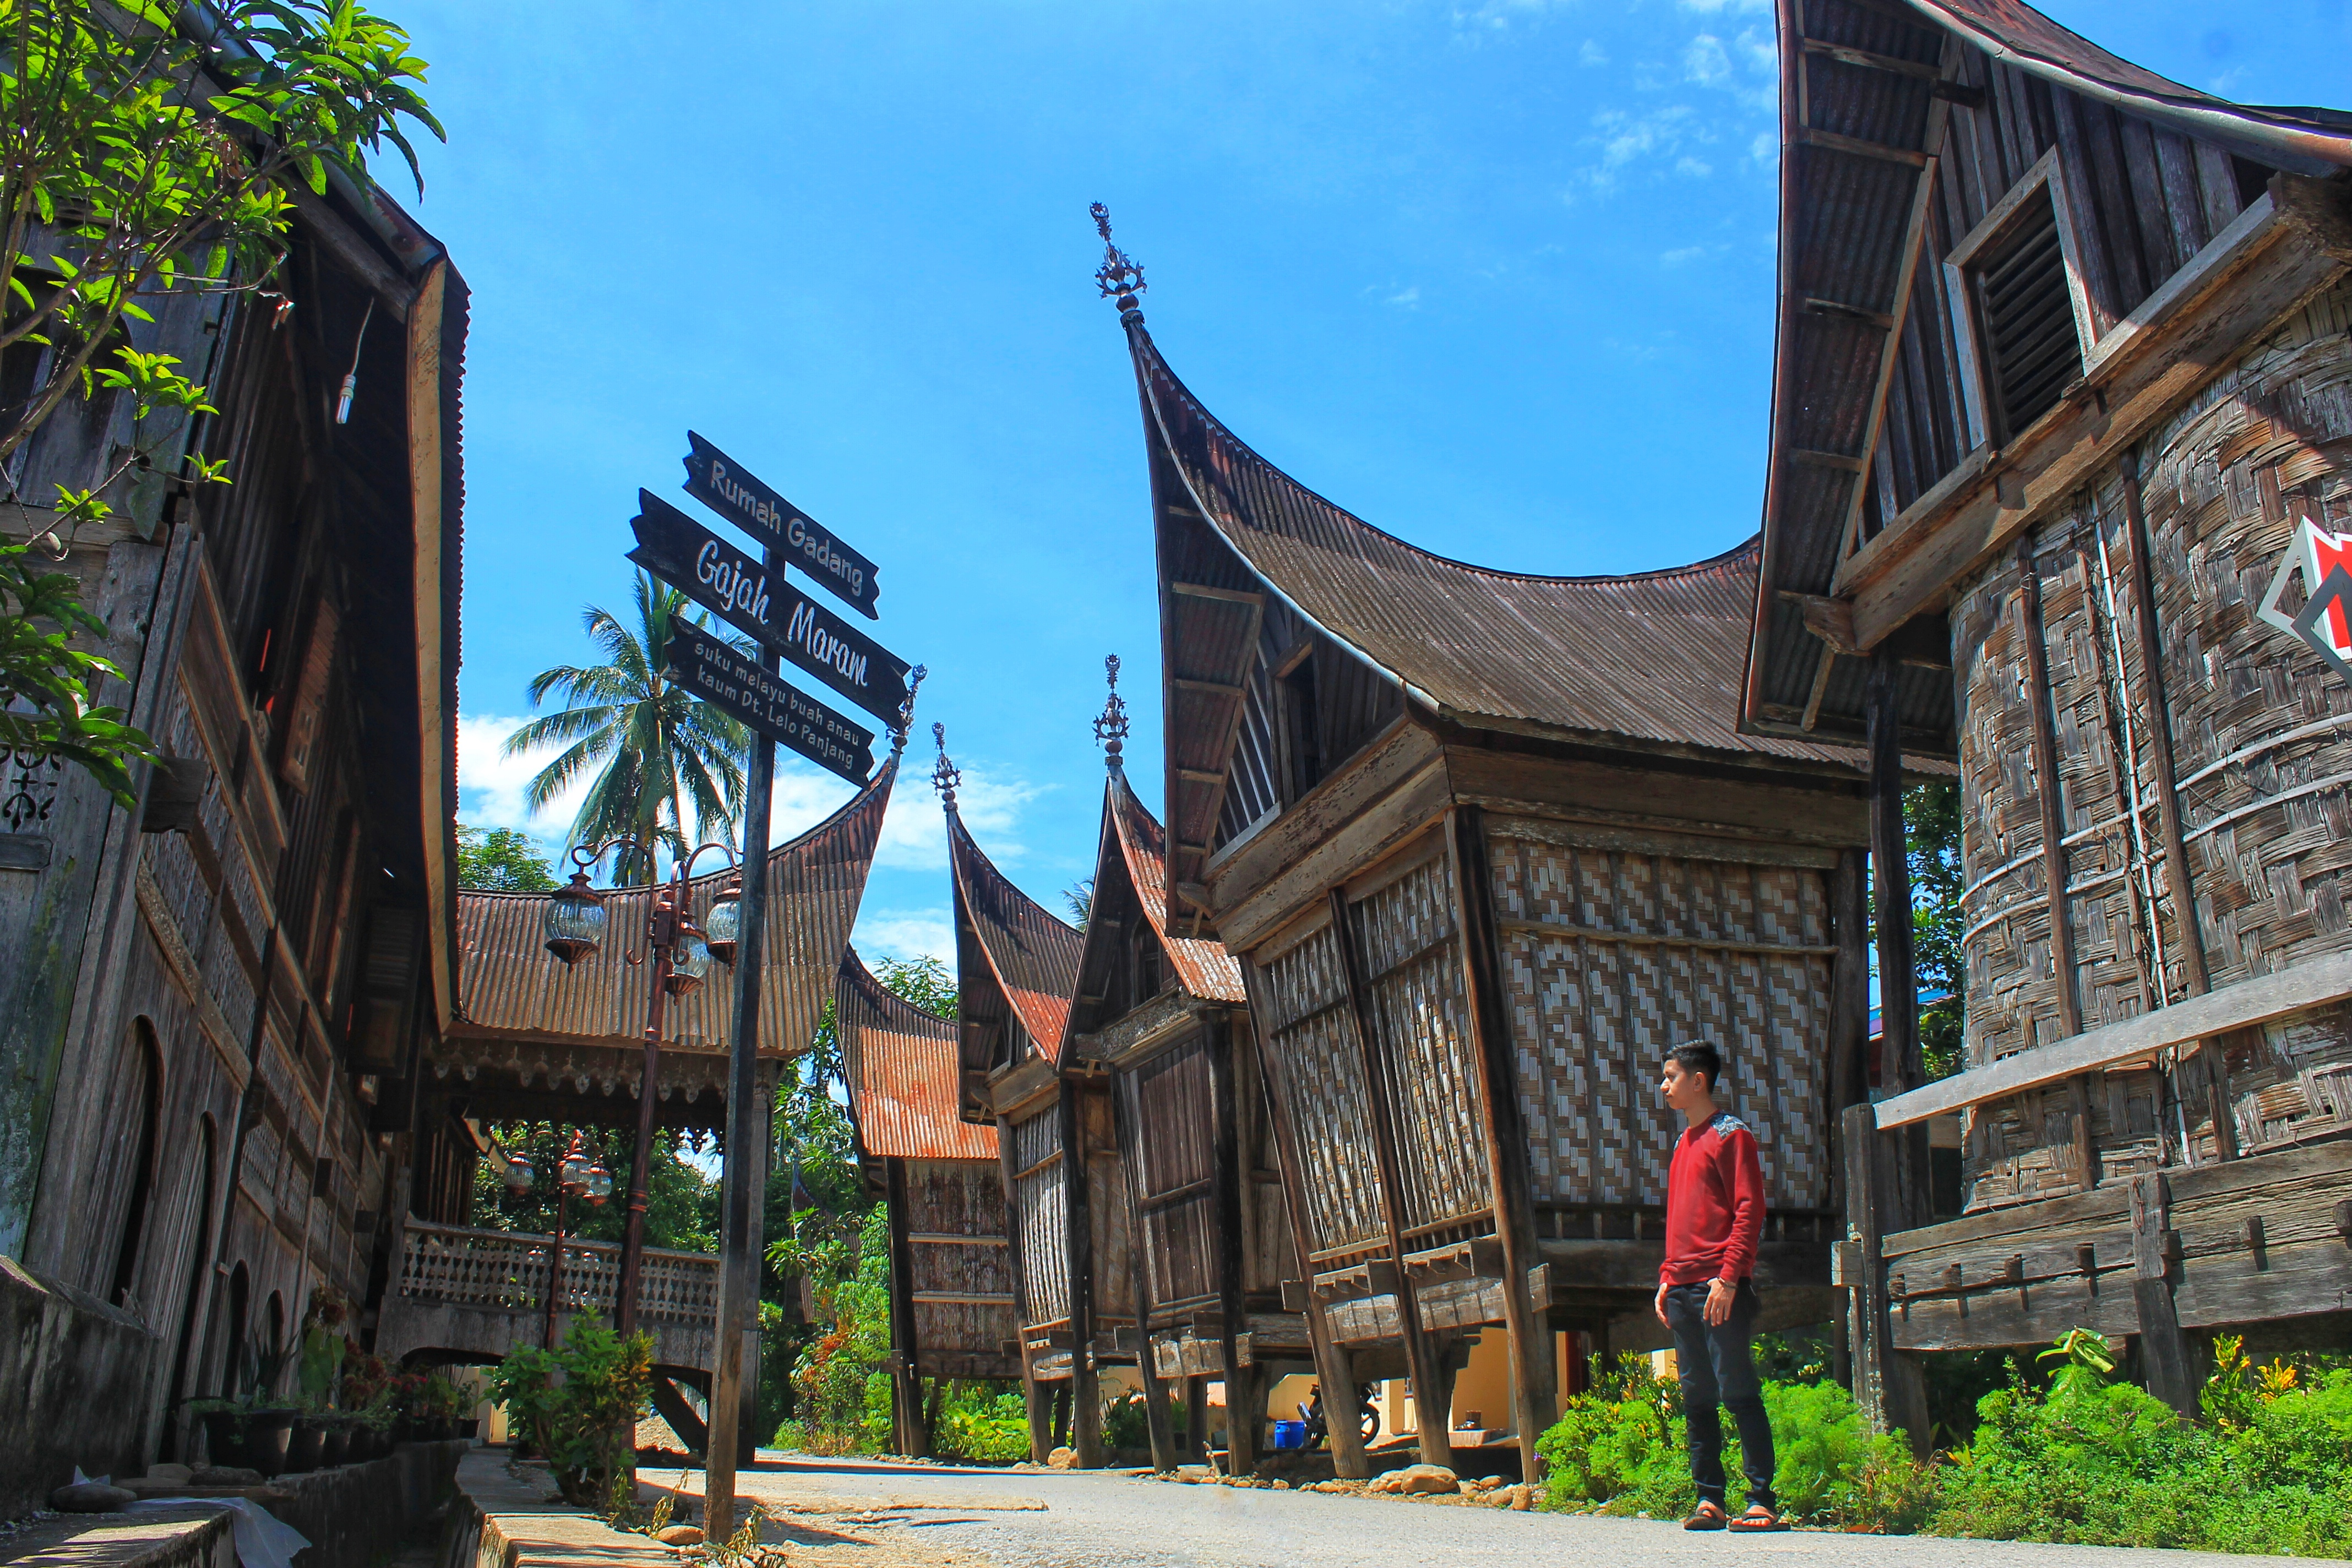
<point>1203,968</point>
<point>900,1065</point>
<point>1652,658</point>
<point>1031,957</point>
<point>511,988</point>
<point>2309,141</point>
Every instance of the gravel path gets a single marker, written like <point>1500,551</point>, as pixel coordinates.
<point>1029,1519</point>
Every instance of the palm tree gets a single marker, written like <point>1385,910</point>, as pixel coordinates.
<point>657,743</point>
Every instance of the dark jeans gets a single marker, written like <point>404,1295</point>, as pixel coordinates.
<point>1719,1367</point>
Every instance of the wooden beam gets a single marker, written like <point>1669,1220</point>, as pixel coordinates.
<point>906,1378</point>
<point>1838,308</point>
<point>2294,241</point>
<point>1870,61</point>
<point>1831,142</point>
<point>1086,1424</point>
<point>1534,1401</point>
<point>1213,688</point>
<point>1831,620</point>
<point>2165,1359</point>
<point>1230,595</point>
<point>2315,982</point>
<point>2052,803</point>
<point>1225,1192</point>
<point>2177,878</point>
<point>1433,1417</point>
<point>1849,1036</point>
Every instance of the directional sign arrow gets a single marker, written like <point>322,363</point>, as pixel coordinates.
<point>718,482</point>
<point>733,680</point>
<point>682,552</point>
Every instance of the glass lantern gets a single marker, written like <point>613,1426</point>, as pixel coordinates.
<point>517,1171</point>
<point>598,1182</point>
<point>690,960</point>
<point>726,922</point>
<point>573,1175</point>
<point>574,921</point>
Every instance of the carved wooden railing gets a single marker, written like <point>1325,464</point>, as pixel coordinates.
<point>507,1270</point>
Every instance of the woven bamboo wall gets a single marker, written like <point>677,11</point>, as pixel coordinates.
<point>2261,731</point>
<point>1592,1017</point>
<point>1040,1210</point>
<point>1299,998</point>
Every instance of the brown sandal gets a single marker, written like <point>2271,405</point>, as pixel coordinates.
<point>1706,1516</point>
<point>1759,1518</point>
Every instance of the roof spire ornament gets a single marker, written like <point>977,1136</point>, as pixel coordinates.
<point>1110,725</point>
<point>945,775</point>
<point>1119,278</point>
<point>906,709</point>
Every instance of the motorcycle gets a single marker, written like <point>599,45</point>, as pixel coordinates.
<point>1318,1428</point>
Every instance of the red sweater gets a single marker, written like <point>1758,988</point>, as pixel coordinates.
<point>1715,1204</point>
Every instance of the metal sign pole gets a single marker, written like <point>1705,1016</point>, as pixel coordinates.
<point>745,1171</point>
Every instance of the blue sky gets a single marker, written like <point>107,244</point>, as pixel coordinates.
<point>1496,276</point>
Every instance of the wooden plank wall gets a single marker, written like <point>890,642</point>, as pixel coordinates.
<point>1593,1014</point>
<point>2261,733</point>
<point>960,1198</point>
<point>2147,199</point>
<point>1040,1210</point>
<point>1106,1210</point>
<point>1170,1106</point>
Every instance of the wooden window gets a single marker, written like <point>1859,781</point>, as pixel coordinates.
<point>1300,721</point>
<point>2020,310</point>
<point>1151,977</point>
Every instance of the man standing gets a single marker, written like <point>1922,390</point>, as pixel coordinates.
<point>1715,1213</point>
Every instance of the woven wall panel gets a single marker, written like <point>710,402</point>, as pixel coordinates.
<point>1041,1209</point>
<point>1300,1003</point>
<point>1592,1019</point>
<point>2261,734</point>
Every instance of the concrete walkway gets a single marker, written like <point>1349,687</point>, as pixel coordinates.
<point>845,1511</point>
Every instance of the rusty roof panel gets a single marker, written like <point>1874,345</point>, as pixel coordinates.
<point>899,1063</point>
<point>1203,968</point>
<point>512,989</point>
<point>1652,658</point>
<point>1031,957</point>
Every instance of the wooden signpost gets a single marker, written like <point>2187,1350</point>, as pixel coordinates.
<point>720,483</point>
<point>741,587</point>
<point>750,592</point>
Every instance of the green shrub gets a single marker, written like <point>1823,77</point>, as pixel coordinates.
<point>584,1421</point>
<point>995,1431</point>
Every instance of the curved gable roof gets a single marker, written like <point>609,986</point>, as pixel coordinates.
<point>1652,657</point>
<point>1203,968</point>
<point>899,1063</point>
<point>1032,955</point>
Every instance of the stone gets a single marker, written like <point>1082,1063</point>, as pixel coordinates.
<point>225,1475</point>
<point>92,1497</point>
<point>1063,1460</point>
<point>1483,1484</point>
<point>681,1535</point>
<point>1523,1496</point>
<point>174,1475</point>
<point>1423,1480</point>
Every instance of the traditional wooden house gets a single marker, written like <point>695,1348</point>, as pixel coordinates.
<point>1168,1019</point>
<point>1016,971</point>
<point>1489,845</point>
<point>212,1005</point>
<point>952,1306</point>
<point>2056,489</point>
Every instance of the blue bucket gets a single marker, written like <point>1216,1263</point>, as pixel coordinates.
<point>1290,1434</point>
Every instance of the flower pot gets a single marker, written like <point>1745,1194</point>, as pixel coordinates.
<point>305,1445</point>
<point>470,1430</point>
<point>224,1437</point>
<point>443,1429</point>
<point>337,1449</point>
<point>267,1434</point>
<point>367,1443</point>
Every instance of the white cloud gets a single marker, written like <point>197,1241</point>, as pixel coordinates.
<point>1758,52</point>
<point>907,933</point>
<point>1692,168</point>
<point>1705,62</point>
<point>1500,15</point>
<point>1592,54</point>
<point>1687,252</point>
<point>1408,297</point>
<point>1766,148</point>
<point>1716,7</point>
<point>914,833</point>
<point>490,785</point>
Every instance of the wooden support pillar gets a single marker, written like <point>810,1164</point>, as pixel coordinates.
<point>1898,983</point>
<point>1335,1365</point>
<point>1527,1323</point>
<point>2178,883</point>
<point>1062,1403</point>
<point>1157,1426</point>
<point>1849,1043</point>
<point>906,1385</point>
<point>1436,1441</point>
<point>1196,1420</point>
<point>1887,1384</point>
<point>2166,1359</point>
<point>2051,789</point>
<point>1031,1396</point>
<point>1086,1401</point>
<point>1225,1190</point>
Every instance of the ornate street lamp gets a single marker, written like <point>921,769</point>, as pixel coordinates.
<point>724,927</point>
<point>573,923</point>
<point>581,1175</point>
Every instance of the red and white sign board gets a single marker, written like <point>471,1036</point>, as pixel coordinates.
<point>2324,624</point>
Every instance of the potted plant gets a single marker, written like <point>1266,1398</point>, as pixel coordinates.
<point>268,1424</point>
<point>317,1371</point>
<point>337,1447</point>
<point>223,1424</point>
<point>368,1393</point>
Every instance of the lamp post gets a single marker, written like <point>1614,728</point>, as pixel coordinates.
<point>574,925</point>
<point>579,1176</point>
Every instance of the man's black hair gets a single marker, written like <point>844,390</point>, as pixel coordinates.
<point>1699,1057</point>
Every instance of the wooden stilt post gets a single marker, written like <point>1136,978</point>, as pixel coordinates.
<point>906,1384</point>
<point>1196,1420</point>
<point>1085,1402</point>
<point>2050,791</point>
<point>1527,1322</point>
<point>2166,1360</point>
<point>1225,1179</point>
<point>1849,1042</point>
<point>1887,1384</point>
<point>1436,1441</point>
<point>1157,1425</point>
